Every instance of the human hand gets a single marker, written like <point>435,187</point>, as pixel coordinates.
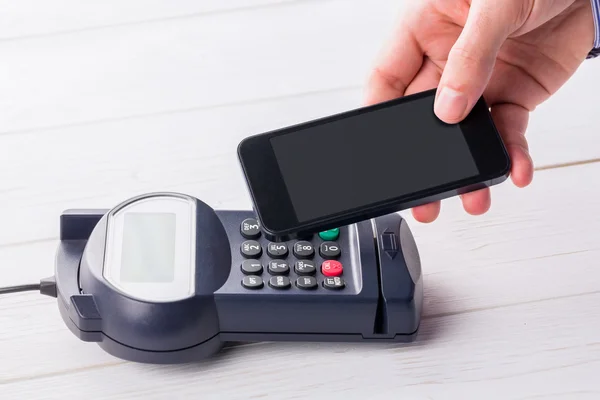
<point>517,53</point>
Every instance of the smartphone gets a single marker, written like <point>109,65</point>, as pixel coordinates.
<point>368,162</point>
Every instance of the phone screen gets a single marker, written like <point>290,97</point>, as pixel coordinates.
<point>371,157</point>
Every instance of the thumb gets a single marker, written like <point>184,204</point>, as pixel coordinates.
<point>471,60</point>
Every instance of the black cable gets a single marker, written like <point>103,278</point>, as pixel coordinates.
<point>47,287</point>
<point>19,288</point>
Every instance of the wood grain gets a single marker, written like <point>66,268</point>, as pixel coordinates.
<point>99,164</point>
<point>545,349</point>
<point>30,18</point>
<point>180,64</point>
<point>504,305</point>
<point>101,101</point>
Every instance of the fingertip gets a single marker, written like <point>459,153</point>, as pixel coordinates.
<point>451,106</point>
<point>478,202</point>
<point>522,168</point>
<point>427,213</point>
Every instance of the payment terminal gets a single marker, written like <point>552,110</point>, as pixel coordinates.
<point>164,278</point>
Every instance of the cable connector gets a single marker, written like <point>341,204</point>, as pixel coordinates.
<point>48,287</point>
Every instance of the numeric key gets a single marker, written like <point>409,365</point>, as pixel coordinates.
<point>304,268</point>
<point>277,250</point>
<point>252,267</point>
<point>330,250</point>
<point>250,229</point>
<point>278,268</point>
<point>251,249</point>
<point>303,249</point>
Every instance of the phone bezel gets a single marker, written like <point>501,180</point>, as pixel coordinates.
<point>274,207</point>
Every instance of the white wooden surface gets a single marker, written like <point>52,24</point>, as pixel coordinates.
<point>512,297</point>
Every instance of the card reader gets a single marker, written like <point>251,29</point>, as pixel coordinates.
<point>163,278</point>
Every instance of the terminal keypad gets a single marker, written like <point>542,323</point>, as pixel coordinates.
<point>288,265</point>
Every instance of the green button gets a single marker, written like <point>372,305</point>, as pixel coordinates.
<point>331,234</point>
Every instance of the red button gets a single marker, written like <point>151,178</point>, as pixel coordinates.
<point>332,268</point>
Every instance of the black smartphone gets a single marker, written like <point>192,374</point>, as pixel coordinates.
<point>368,162</point>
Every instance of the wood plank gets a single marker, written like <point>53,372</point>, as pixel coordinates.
<point>190,63</point>
<point>522,225</point>
<point>26,18</point>
<point>543,349</point>
<point>51,170</point>
<point>189,151</point>
<point>564,128</point>
<point>184,64</point>
<point>559,132</point>
<point>516,256</point>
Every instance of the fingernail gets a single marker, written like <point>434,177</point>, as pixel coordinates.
<point>450,105</point>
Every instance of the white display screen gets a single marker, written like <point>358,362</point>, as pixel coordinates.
<point>148,251</point>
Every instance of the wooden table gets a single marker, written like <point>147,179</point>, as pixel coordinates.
<point>512,298</point>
